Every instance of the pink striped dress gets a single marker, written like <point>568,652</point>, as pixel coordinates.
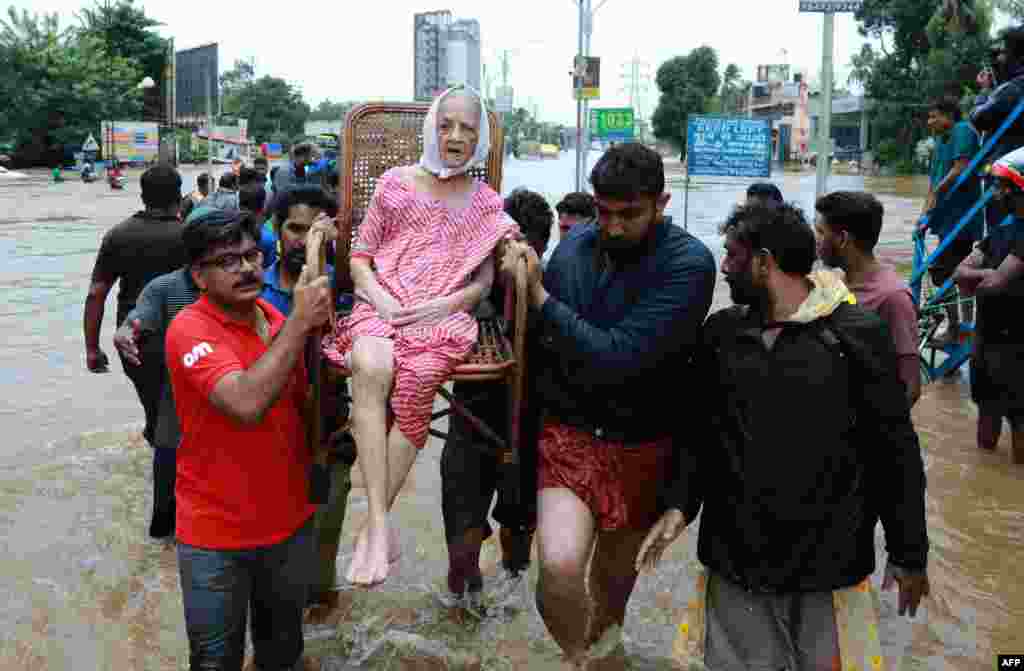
<point>421,250</point>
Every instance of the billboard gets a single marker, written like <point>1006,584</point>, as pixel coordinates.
<point>589,68</point>
<point>718,146</point>
<point>196,82</point>
<point>131,141</point>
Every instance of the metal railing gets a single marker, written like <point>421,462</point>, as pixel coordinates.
<point>923,261</point>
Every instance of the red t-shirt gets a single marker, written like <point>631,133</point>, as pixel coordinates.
<point>238,486</point>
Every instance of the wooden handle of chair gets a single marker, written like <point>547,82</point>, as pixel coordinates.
<point>519,351</point>
<point>316,259</point>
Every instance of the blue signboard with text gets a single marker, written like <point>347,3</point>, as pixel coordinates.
<point>719,146</point>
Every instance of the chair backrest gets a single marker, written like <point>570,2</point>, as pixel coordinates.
<point>381,136</point>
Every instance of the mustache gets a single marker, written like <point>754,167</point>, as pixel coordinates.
<point>294,259</point>
<point>614,244</point>
<point>248,280</point>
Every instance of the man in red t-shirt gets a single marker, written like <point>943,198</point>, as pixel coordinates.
<point>244,521</point>
<point>847,229</point>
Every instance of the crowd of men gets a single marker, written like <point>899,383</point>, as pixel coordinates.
<point>216,306</point>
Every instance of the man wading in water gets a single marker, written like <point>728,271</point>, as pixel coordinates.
<point>616,315</point>
<point>803,439</point>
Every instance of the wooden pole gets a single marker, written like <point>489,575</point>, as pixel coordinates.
<point>316,259</point>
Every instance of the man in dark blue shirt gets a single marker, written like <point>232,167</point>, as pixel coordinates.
<point>617,314</point>
<point>296,211</point>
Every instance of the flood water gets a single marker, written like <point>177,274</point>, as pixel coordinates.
<point>85,589</point>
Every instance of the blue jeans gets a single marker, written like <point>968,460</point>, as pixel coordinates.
<point>219,587</point>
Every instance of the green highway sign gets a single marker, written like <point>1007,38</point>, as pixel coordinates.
<point>615,123</point>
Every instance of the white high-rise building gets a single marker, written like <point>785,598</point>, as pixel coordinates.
<point>446,53</point>
<point>464,53</point>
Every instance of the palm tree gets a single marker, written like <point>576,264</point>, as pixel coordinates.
<point>862,65</point>
<point>959,15</point>
<point>730,88</point>
<point>30,32</point>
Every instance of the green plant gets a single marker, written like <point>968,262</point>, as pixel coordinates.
<point>905,166</point>
<point>888,152</point>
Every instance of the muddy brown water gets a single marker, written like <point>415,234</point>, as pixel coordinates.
<point>85,589</point>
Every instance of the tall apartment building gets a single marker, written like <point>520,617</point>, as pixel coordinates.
<point>464,53</point>
<point>446,52</point>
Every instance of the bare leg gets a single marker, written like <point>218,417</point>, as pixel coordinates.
<point>377,543</point>
<point>990,427</point>
<point>379,534</point>
<point>464,562</point>
<point>1017,446</point>
<point>565,541</point>
<point>612,577</point>
<point>372,376</point>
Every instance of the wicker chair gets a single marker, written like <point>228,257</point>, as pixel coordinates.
<point>376,138</point>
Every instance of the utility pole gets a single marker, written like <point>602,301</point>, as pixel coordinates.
<point>589,31</point>
<point>209,128</point>
<point>637,78</point>
<point>171,85</point>
<point>579,71</point>
<point>504,85</point>
<point>825,125</point>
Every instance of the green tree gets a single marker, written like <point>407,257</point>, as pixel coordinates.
<point>233,83</point>
<point>329,110</point>
<point>733,87</point>
<point>128,33</point>
<point>272,106</point>
<point>65,84</point>
<point>688,85</point>
<point>927,49</point>
<point>1014,8</point>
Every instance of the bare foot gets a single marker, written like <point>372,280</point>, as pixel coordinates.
<point>374,569</point>
<point>394,547</point>
<point>355,567</point>
<point>326,611</point>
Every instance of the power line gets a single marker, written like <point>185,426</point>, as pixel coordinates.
<point>636,78</point>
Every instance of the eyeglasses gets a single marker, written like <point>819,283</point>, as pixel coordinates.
<point>232,263</point>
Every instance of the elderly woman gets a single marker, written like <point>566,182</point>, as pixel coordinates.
<point>422,261</point>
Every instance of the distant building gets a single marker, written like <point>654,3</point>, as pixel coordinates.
<point>446,52</point>
<point>464,53</point>
<point>314,128</point>
<point>783,101</point>
<point>851,125</point>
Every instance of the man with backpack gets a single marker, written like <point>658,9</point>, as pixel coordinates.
<point>807,442</point>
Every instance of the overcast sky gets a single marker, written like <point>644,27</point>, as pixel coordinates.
<point>349,50</point>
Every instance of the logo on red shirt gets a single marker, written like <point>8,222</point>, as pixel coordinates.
<point>197,353</point>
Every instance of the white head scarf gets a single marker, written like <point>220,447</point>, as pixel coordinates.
<point>431,159</point>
